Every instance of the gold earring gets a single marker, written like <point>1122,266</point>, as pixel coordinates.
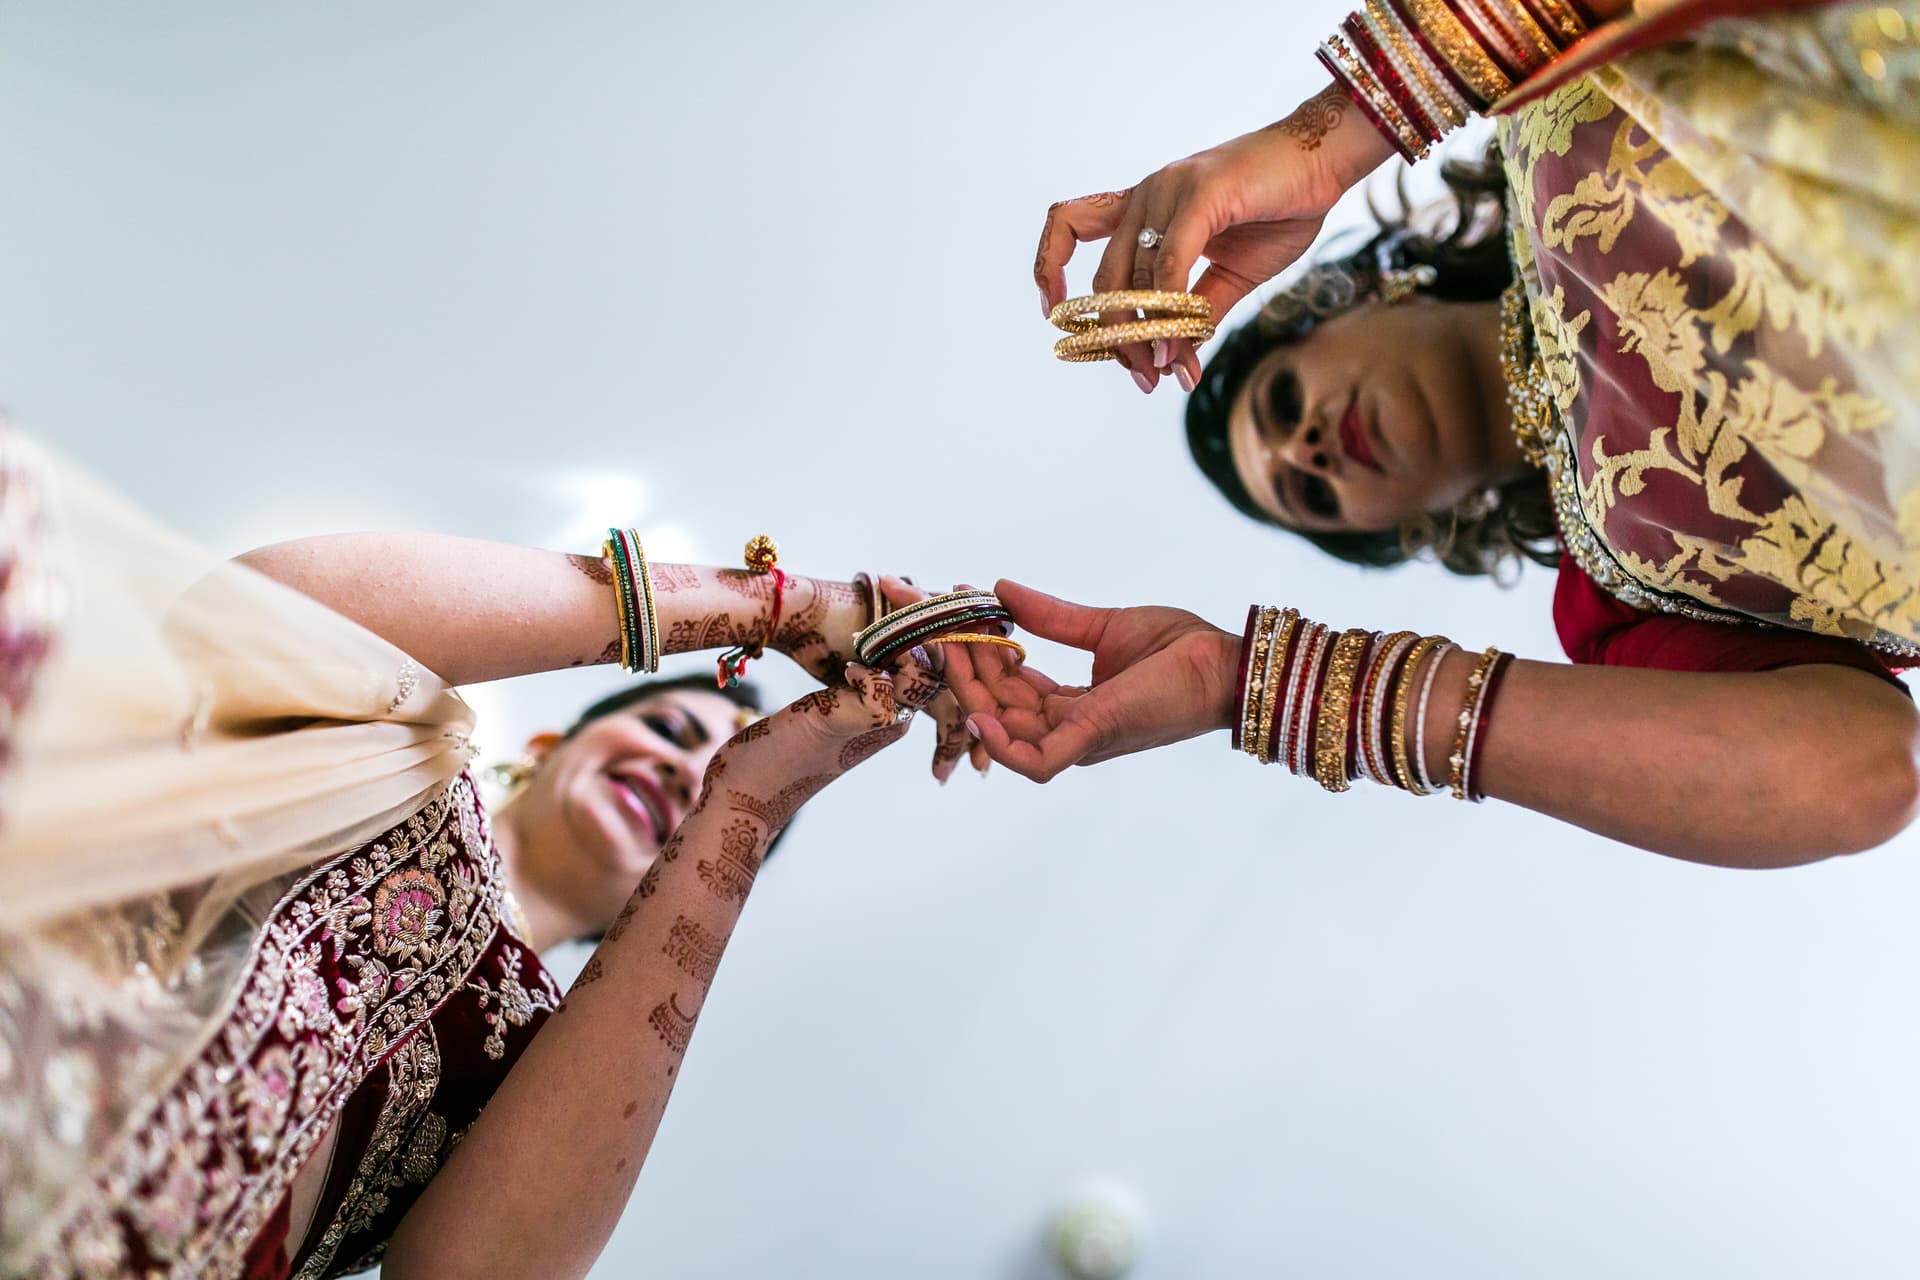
<point>1398,286</point>
<point>509,775</point>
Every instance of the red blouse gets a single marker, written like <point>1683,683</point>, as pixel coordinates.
<point>1598,629</point>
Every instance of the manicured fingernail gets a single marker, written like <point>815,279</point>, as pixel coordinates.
<point>1160,353</point>
<point>1146,383</point>
<point>973,728</point>
<point>1183,377</point>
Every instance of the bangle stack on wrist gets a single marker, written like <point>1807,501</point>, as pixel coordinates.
<point>1343,706</point>
<point>633,598</point>
<point>1418,68</point>
<point>935,619</point>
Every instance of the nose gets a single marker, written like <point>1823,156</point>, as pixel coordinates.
<point>676,776</point>
<point>1306,449</point>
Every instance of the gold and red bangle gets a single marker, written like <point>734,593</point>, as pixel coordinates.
<point>1376,701</point>
<point>1403,17</point>
<point>1260,670</point>
<point>1351,73</point>
<point>1242,680</point>
<point>1336,708</point>
<point>1303,695</point>
<point>1459,759</point>
<point>1560,21</point>
<point>1474,18</point>
<point>1461,50</point>
<point>1482,719</point>
<point>1385,73</point>
<point>762,556</point>
<point>1445,108</point>
<point>1408,771</point>
<point>1519,26</point>
<point>1285,642</point>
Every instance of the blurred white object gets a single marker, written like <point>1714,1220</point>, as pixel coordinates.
<point>1096,1236</point>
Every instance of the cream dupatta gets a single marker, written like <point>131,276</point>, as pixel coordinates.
<point>180,735</point>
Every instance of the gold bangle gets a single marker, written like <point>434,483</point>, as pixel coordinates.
<point>1336,709</point>
<point>1518,25</point>
<point>974,637</point>
<point>1461,50</point>
<point>1411,60</point>
<point>1101,344</point>
<point>619,605</point>
<point>1402,762</point>
<point>1412,141</point>
<point>1082,315</point>
<point>1270,693</point>
<point>1259,665</point>
<point>1565,19</point>
<point>1457,758</point>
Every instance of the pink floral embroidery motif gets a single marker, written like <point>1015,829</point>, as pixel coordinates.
<point>408,913</point>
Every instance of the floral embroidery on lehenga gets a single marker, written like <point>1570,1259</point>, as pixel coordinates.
<point>344,976</point>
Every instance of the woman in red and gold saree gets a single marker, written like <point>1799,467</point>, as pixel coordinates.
<point>269,981</point>
<point>1697,392</point>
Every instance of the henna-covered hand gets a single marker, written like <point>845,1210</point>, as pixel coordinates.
<point>1159,676</point>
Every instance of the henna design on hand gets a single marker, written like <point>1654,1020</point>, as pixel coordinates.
<point>695,951</point>
<point>744,582</point>
<point>673,577</point>
<point>673,1024</point>
<point>592,567</point>
<point>801,626</point>
<point>1100,200</point>
<point>824,701</point>
<point>1315,118</point>
<point>730,876</point>
<point>777,812</point>
<point>829,592</point>
<point>715,631</point>
<point>868,745</point>
<point>590,973</point>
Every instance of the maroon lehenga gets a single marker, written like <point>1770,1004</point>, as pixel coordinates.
<point>386,995</point>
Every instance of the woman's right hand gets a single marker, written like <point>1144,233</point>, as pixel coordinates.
<point>1251,206</point>
<point>1159,676</point>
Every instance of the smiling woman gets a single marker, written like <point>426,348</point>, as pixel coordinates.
<point>273,1010</point>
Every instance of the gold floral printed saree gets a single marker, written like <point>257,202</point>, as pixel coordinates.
<point>1720,239</point>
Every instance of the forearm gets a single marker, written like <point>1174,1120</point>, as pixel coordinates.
<point>1764,769</point>
<point>471,610</point>
<point>539,1182</point>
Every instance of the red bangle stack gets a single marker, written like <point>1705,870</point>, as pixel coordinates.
<point>1341,707</point>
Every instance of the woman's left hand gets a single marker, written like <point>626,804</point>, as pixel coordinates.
<point>818,635</point>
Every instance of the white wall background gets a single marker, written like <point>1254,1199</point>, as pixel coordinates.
<point>522,272</point>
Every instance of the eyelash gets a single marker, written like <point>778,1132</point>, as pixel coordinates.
<point>667,726</point>
<point>1317,496</point>
<point>1283,398</point>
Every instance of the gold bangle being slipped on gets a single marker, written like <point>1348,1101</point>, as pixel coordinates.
<point>1164,314</point>
<point>974,637</point>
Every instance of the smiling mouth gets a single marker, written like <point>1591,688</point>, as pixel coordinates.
<point>1353,438</point>
<point>645,801</point>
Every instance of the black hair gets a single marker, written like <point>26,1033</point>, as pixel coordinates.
<point>744,696</point>
<point>1468,263</point>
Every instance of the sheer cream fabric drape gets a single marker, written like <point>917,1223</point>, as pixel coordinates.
<point>181,735</point>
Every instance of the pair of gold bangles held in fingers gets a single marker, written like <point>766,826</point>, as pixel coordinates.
<point>1164,315</point>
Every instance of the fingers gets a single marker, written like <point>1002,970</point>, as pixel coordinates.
<point>1116,272</point>
<point>1050,618</point>
<point>1071,223</point>
<point>1040,759</point>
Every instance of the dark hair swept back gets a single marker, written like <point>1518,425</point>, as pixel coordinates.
<point>1470,264</point>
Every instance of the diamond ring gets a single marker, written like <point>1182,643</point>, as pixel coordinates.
<point>1149,238</point>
